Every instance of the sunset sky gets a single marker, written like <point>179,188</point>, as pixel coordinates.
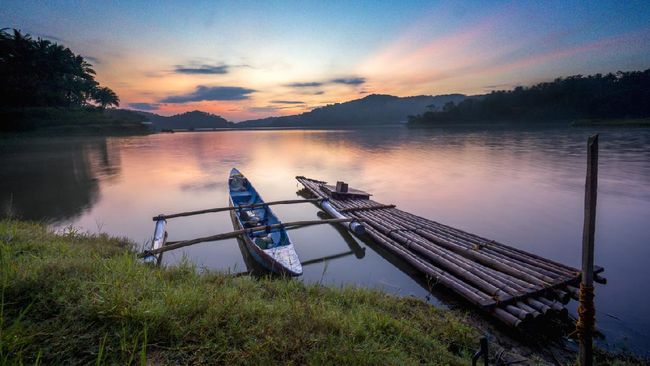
<point>246,60</point>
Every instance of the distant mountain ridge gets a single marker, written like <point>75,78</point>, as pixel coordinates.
<point>374,109</point>
<point>188,120</point>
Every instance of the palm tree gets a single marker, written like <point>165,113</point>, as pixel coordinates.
<point>105,97</point>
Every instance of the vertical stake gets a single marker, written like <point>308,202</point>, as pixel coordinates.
<point>586,313</point>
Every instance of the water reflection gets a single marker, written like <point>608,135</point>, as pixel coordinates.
<point>42,179</point>
<point>520,187</point>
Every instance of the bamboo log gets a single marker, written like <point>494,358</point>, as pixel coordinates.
<point>231,208</point>
<point>455,263</point>
<point>351,225</point>
<point>538,306</point>
<point>484,273</point>
<point>512,283</point>
<point>369,208</point>
<point>506,317</point>
<point>519,312</point>
<point>236,233</point>
<point>522,271</point>
<point>501,248</point>
<point>372,219</point>
<point>555,305</point>
<point>483,245</point>
<point>529,309</point>
<point>445,263</point>
<point>471,294</point>
<point>574,292</point>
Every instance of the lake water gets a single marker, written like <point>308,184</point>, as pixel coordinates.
<point>524,188</point>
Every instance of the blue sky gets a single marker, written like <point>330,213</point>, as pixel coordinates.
<point>243,59</point>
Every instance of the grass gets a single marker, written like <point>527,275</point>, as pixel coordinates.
<point>75,298</point>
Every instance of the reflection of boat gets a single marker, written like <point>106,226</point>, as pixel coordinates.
<point>271,248</point>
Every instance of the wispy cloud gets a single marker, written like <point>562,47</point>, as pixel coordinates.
<point>349,81</point>
<point>287,102</point>
<point>268,109</point>
<point>352,80</point>
<point>145,106</point>
<point>203,93</point>
<point>311,84</point>
<point>202,69</point>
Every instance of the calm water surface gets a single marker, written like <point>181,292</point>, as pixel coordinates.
<point>520,187</point>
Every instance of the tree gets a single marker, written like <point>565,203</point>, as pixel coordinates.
<point>39,73</point>
<point>105,97</point>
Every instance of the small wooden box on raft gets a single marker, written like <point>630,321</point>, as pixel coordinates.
<point>341,191</point>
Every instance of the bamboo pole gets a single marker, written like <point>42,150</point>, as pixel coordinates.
<point>538,305</point>
<point>555,305</point>
<point>231,208</point>
<point>486,258</point>
<point>471,294</point>
<point>453,262</point>
<point>519,312</point>
<point>483,245</point>
<point>236,233</point>
<point>503,279</point>
<point>586,312</point>
<point>529,309</point>
<point>500,248</point>
<point>506,317</point>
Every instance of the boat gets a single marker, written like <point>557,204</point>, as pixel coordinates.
<point>272,248</point>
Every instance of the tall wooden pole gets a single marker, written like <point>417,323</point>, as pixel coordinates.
<point>586,312</point>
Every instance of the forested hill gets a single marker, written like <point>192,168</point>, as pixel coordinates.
<point>375,109</point>
<point>188,120</point>
<point>624,95</point>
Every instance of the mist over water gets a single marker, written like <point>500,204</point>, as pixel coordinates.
<point>522,187</point>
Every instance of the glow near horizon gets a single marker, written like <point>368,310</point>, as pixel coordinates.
<point>400,49</point>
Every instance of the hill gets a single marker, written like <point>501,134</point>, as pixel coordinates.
<point>375,109</point>
<point>188,120</point>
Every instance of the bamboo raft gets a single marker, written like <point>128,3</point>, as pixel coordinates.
<point>514,286</point>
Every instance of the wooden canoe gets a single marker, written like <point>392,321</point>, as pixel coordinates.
<point>270,248</point>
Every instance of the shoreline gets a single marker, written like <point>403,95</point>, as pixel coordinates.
<point>175,314</point>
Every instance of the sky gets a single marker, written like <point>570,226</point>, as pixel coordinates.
<point>244,59</point>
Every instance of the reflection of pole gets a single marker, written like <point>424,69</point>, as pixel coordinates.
<point>586,311</point>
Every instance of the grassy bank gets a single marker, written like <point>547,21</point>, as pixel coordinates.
<point>77,299</point>
<point>72,298</point>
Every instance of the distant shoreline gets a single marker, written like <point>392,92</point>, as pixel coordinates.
<point>617,122</point>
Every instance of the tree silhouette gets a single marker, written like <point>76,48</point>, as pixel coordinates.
<point>105,97</point>
<point>620,95</point>
<point>39,73</point>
